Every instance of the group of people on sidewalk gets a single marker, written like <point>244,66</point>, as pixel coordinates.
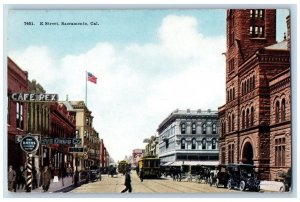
<point>40,177</point>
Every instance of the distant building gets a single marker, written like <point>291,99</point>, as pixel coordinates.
<point>136,155</point>
<point>189,136</point>
<point>152,148</point>
<point>256,119</point>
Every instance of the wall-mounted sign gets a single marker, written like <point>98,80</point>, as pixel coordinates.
<point>29,144</point>
<point>33,97</point>
<point>76,149</point>
<point>75,141</point>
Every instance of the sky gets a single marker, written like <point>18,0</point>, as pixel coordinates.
<point>148,64</point>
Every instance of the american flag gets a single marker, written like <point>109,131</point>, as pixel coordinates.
<point>92,78</point>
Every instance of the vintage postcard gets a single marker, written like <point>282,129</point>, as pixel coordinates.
<point>155,101</point>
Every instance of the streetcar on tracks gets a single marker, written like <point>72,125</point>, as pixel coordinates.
<point>150,166</point>
<point>123,166</point>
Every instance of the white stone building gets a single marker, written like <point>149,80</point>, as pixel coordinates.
<point>189,137</point>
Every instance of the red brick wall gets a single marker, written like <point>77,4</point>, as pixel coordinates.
<point>17,81</point>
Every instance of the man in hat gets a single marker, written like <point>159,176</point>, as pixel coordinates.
<point>127,182</point>
<point>11,178</point>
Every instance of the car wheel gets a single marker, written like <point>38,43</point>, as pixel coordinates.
<point>229,185</point>
<point>242,185</point>
<point>217,182</point>
<point>258,188</point>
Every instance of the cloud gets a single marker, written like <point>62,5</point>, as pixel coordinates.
<point>139,85</point>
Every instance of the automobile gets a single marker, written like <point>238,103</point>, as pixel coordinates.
<point>221,177</point>
<point>95,173</point>
<point>242,177</point>
<point>84,176</point>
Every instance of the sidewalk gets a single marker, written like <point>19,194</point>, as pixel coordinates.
<point>272,186</point>
<point>54,186</point>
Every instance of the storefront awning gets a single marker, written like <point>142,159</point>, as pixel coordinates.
<point>167,164</point>
<point>194,163</point>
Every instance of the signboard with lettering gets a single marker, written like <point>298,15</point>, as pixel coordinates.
<point>33,97</point>
<point>75,141</point>
<point>29,144</point>
<point>76,149</point>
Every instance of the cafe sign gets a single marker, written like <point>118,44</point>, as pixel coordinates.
<point>34,97</point>
<point>29,144</point>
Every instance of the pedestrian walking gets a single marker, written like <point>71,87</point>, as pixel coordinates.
<point>34,178</point>
<point>127,182</point>
<point>11,178</point>
<point>62,175</point>
<point>141,175</point>
<point>46,176</point>
<point>21,176</point>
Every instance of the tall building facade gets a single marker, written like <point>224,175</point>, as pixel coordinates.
<point>189,135</point>
<point>255,122</point>
<point>17,82</point>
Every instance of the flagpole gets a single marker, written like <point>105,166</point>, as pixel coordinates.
<point>86,88</point>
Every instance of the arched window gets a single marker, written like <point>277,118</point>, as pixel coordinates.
<point>182,144</point>
<point>242,88</point>
<point>203,143</point>
<point>214,129</point>
<point>252,117</point>
<point>248,84</point>
<point>193,128</point>
<point>204,128</point>
<point>247,118</point>
<point>283,110</point>
<point>229,123</point>
<point>277,112</point>
<point>183,128</point>
<point>213,143</point>
<point>253,81</point>
<point>193,143</point>
<point>233,93</point>
<point>227,96</point>
<point>232,122</point>
<point>243,119</point>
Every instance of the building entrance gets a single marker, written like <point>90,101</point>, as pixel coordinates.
<point>247,154</point>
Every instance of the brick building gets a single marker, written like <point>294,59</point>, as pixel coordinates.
<point>256,121</point>
<point>17,81</point>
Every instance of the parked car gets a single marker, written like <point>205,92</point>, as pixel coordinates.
<point>219,176</point>
<point>242,177</point>
<point>95,173</point>
<point>84,176</point>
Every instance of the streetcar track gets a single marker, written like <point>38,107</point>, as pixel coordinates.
<point>172,187</point>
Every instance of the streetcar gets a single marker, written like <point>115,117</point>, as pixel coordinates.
<point>123,166</point>
<point>150,167</point>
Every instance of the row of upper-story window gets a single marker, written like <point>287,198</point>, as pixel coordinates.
<point>255,30</point>
<point>248,115</point>
<point>247,120</point>
<point>183,128</point>
<point>257,13</point>
<point>183,144</point>
<point>280,110</point>
<point>230,94</point>
<point>248,84</point>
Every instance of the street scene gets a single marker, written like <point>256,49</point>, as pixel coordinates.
<point>149,101</point>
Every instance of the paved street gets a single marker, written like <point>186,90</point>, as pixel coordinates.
<point>164,185</point>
